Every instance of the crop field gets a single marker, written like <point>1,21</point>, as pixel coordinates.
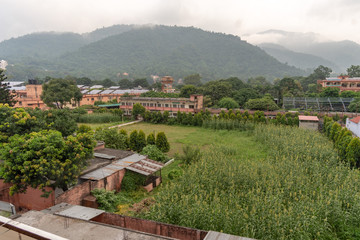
<point>273,183</point>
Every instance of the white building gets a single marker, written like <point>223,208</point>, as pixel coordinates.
<point>353,125</point>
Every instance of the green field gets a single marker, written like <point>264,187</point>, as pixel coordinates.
<point>178,136</point>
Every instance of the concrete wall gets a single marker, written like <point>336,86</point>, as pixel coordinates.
<point>353,127</point>
<point>152,227</point>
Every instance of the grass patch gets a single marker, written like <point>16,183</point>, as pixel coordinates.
<point>179,136</point>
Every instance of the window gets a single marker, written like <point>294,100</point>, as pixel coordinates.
<point>182,106</point>
<point>191,106</point>
<point>88,99</point>
<point>175,105</point>
<point>151,104</point>
<point>92,99</point>
<point>159,104</point>
<point>166,105</point>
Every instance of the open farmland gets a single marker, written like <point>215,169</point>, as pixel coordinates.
<point>298,191</point>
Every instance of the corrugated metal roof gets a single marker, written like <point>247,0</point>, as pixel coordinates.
<point>145,167</point>
<point>97,86</point>
<point>80,212</point>
<point>308,118</point>
<point>107,91</point>
<point>103,155</point>
<point>113,167</point>
<point>94,91</point>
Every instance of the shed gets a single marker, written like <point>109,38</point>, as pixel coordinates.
<point>309,122</point>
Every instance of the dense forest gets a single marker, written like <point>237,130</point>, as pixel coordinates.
<point>141,52</point>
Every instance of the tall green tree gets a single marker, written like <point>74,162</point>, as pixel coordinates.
<point>59,92</point>
<point>125,84</point>
<point>162,142</point>
<point>353,71</point>
<point>137,110</point>
<point>330,92</point>
<point>228,103</point>
<point>194,79</point>
<point>44,159</point>
<point>188,90</point>
<point>6,96</point>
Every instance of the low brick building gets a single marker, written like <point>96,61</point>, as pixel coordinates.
<point>106,170</point>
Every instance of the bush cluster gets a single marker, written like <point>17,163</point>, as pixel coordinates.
<point>229,120</point>
<point>347,146</point>
<point>137,141</point>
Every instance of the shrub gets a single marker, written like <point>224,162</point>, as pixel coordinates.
<point>154,153</point>
<point>84,129</point>
<point>112,138</point>
<point>107,200</point>
<point>191,154</point>
<point>162,142</point>
<point>150,139</point>
<point>353,152</point>
<point>175,173</point>
<point>132,181</point>
<point>141,141</point>
<point>99,118</point>
<point>133,140</point>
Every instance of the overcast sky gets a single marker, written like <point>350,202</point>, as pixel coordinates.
<point>333,19</point>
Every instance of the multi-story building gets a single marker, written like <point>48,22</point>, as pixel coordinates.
<point>193,104</point>
<point>91,96</point>
<point>30,96</point>
<point>166,84</point>
<point>342,82</point>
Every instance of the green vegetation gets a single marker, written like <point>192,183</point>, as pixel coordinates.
<point>99,118</point>
<point>292,193</point>
<point>5,95</point>
<point>44,159</point>
<point>183,52</point>
<point>59,92</point>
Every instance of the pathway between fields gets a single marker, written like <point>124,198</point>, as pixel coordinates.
<point>125,124</point>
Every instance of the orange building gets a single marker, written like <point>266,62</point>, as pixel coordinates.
<point>90,97</point>
<point>30,97</point>
<point>342,82</point>
<point>193,104</point>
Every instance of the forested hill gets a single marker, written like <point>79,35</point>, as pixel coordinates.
<point>297,59</point>
<point>161,50</point>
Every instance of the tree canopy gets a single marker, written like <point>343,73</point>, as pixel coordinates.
<point>194,79</point>
<point>5,95</point>
<point>58,92</point>
<point>353,71</point>
<point>44,159</point>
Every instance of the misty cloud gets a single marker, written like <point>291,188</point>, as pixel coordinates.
<point>336,19</point>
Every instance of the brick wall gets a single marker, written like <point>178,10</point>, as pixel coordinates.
<point>31,200</point>
<point>152,227</point>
